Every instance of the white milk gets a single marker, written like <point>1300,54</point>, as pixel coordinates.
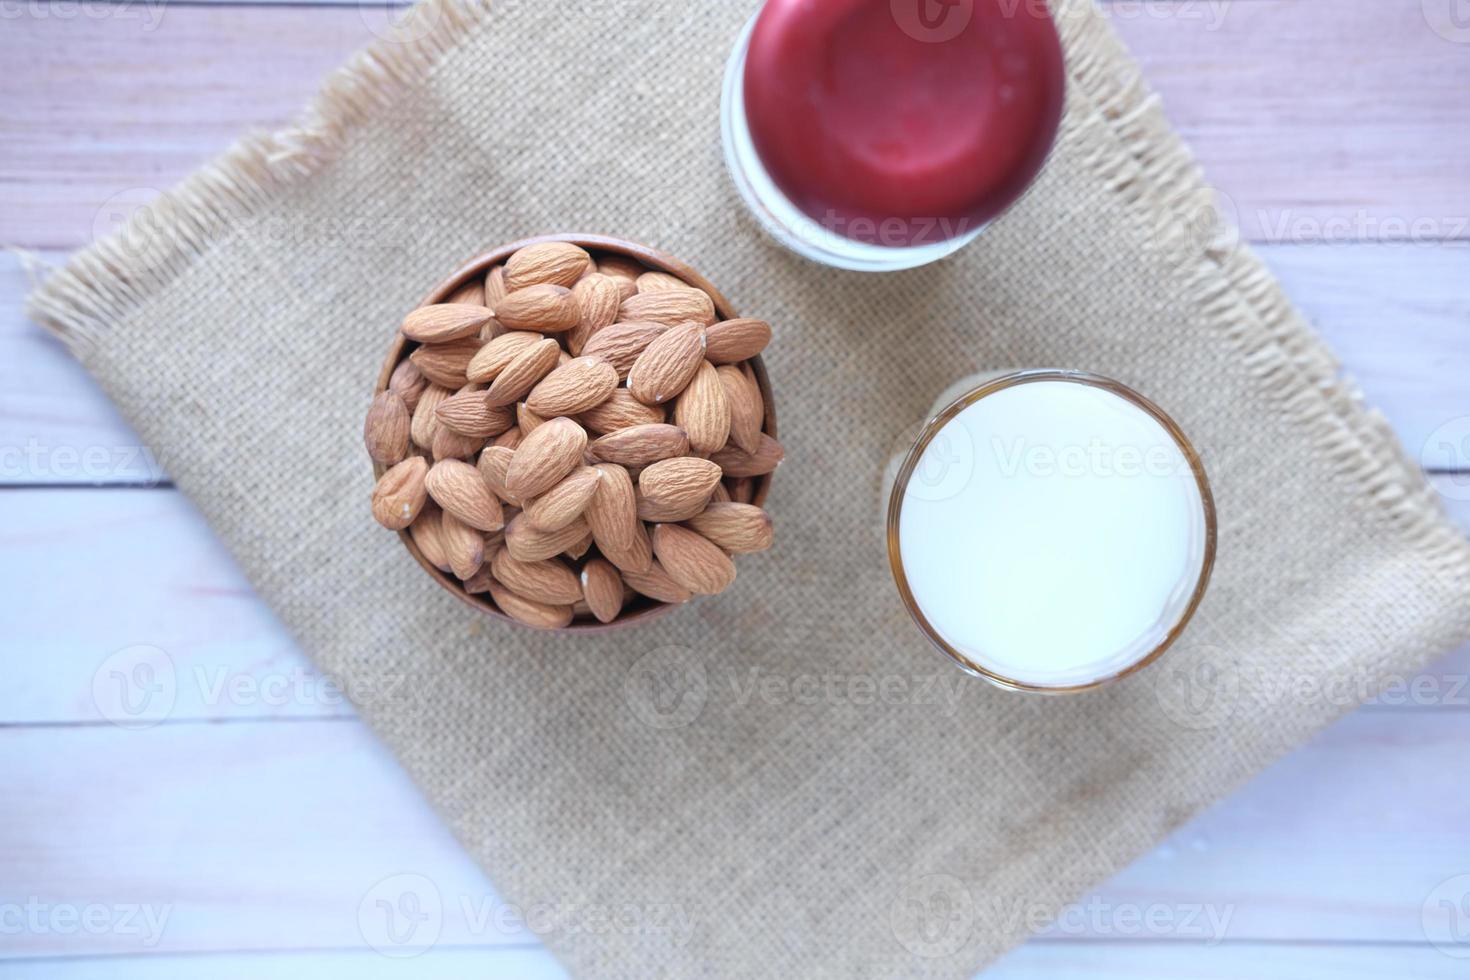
<point>1052,533</point>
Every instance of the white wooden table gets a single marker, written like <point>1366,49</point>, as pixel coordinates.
<point>244,832</point>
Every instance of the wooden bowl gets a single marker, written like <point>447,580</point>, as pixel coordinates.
<point>641,608</point>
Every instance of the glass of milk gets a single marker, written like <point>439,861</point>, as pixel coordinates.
<point>1051,530</point>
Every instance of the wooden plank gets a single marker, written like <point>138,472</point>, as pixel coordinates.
<point>272,836</point>
<point>1365,96</point>
<point>1395,315</point>
<point>1033,961</point>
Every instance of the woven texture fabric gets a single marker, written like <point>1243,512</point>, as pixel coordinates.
<point>783,779</point>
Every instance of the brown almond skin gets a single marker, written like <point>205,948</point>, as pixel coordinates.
<point>741,489</point>
<point>469,415</point>
<point>449,444</point>
<point>426,533</point>
<point>445,364</point>
<point>747,408</point>
<point>598,298</point>
<point>386,431</point>
<point>408,382</point>
<point>656,583</point>
<point>471,293</point>
<point>653,280</point>
<point>579,384</point>
<point>545,457</point>
<point>621,267</point>
<point>425,420</point>
<point>692,560</point>
<point>736,462</point>
<point>529,612</point>
<point>558,263</point>
<point>584,545</point>
<point>545,308</point>
<point>678,488</point>
<point>612,516</point>
<point>399,495</point>
<point>493,464</point>
<point>639,445</point>
<point>459,488</point>
<point>464,546</point>
<point>549,580</point>
<point>527,420</point>
<point>526,543</point>
<point>441,322</point>
<point>703,411</point>
<point>621,343</point>
<point>740,529</point>
<point>667,364</point>
<point>620,410</point>
<point>495,290</point>
<point>510,438</point>
<point>736,340</point>
<point>671,306</point>
<point>497,354</point>
<point>565,502</point>
<point>521,374</point>
<point>602,589</point>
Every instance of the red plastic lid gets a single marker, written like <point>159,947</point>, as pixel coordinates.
<point>903,122</point>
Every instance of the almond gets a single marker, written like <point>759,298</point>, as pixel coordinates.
<point>671,306</point>
<point>737,462</point>
<point>522,373</point>
<point>656,583</point>
<point>667,364</point>
<point>464,546</point>
<point>549,580</point>
<point>703,411</point>
<point>747,408</point>
<point>741,489</point>
<point>598,298</point>
<point>620,267</point>
<point>738,528</point>
<point>471,293</point>
<point>639,445</point>
<point>579,384</point>
<point>529,612</point>
<point>580,548</point>
<point>480,581</point>
<point>449,444</point>
<point>495,290</point>
<point>619,411</point>
<point>676,489</point>
<point>510,438</point>
<point>652,281</point>
<point>408,382</point>
<point>459,488</point>
<point>621,343</point>
<point>497,354</point>
<point>527,420</point>
<point>692,560</point>
<point>469,415</point>
<point>558,263</point>
<point>602,588</point>
<point>737,340</point>
<point>493,464</point>
<point>445,364</point>
<point>544,308</point>
<point>399,495</point>
<point>386,430</point>
<point>565,502</point>
<point>445,321</point>
<point>526,543</point>
<point>425,417</point>
<point>426,533</point>
<point>612,515</point>
<point>721,494</point>
<point>545,457</point>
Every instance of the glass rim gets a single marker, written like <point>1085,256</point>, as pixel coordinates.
<point>1010,380</point>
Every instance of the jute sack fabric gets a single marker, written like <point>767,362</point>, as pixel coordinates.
<point>783,780</point>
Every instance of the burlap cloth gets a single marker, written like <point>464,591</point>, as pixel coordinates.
<point>783,780</point>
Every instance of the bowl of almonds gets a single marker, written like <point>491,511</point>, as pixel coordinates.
<point>575,433</point>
